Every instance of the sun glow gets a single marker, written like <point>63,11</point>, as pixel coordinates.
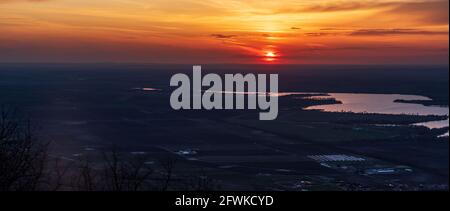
<point>213,31</point>
<point>270,54</point>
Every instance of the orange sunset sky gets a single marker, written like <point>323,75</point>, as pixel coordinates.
<point>227,31</point>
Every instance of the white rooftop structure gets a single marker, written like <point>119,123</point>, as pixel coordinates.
<point>335,158</point>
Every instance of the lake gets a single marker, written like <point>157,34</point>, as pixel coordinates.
<point>384,104</point>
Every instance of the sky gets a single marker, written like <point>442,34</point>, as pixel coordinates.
<point>225,31</point>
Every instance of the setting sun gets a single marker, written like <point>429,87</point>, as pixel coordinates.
<point>205,97</point>
<point>234,31</point>
<point>270,54</point>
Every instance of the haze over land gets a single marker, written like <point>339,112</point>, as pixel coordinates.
<point>84,109</point>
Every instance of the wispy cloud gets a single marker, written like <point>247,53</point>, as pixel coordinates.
<point>12,1</point>
<point>219,30</point>
<point>372,32</point>
<point>385,32</point>
<point>342,6</point>
<point>223,36</point>
<point>432,12</point>
<point>328,7</point>
<point>319,34</point>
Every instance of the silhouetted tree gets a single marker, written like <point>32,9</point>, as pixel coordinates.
<point>25,166</point>
<point>22,156</point>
